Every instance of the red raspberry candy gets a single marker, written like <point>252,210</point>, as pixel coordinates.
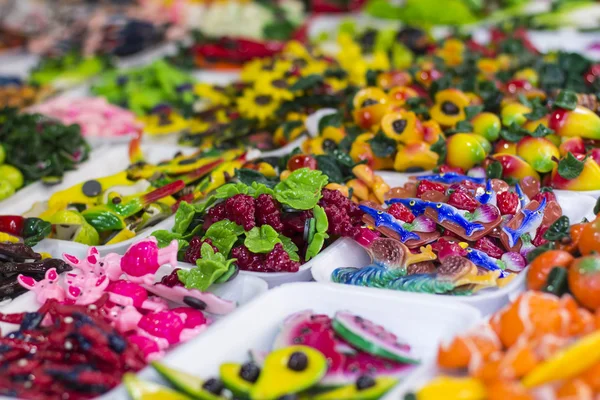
<point>426,185</point>
<point>490,248</point>
<point>268,212</point>
<point>401,212</point>
<point>463,201</point>
<point>240,209</point>
<point>172,279</point>
<point>508,202</point>
<point>194,250</point>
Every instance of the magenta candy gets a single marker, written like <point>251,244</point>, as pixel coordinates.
<point>192,317</point>
<point>141,259</point>
<point>128,289</point>
<point>146,345</point>
<point>163,324</point>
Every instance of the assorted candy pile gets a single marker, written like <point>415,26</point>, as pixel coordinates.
<point>159,93</point>
<point>115,208</point>
<point>306,359</point>
<point>19,259</point>
<point>18,94</point>
<point>267,225</point>
<point>541,343</point>
<point>33,147</point>
<point>95,116</point>
<point>454,233</point>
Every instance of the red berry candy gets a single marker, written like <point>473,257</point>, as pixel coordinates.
<point>549,196</point>
<point>268,212</point>
<point>401,212</point>
<point>426,185</point>
<point>490,248</point>
<point>172,279</point>
<point>508,202</point>
<point>301,161</point>
<point>240,209</point>
<point>463,201</point>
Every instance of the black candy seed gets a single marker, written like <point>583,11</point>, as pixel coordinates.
<point>450,108</point>
<point>298,361</point>
<point>369,102</point>
<point>399,125</point>
<point>214,386</point>
<point>249,372</point>
<point>364,382</point>
<point>194,302</point>
<point>91,188</point>
<point>116,200</point>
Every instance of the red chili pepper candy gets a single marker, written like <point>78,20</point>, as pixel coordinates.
<point>12,224</point>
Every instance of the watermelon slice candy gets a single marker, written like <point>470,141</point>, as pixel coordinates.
<point>350,349</point>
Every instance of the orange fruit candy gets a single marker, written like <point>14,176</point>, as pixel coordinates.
<point>503,390</point>
<point>460,352</point>
<point>514,364</point>
<point>540,268</point>
<point>590,238</point>
<point>581,320</point>
<point>532,315</point>
<point>575,233</point>
<point>592,377</point>
<point>584,281</point>
<point>575,389</point>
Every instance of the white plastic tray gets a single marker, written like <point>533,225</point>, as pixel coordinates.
<point>423,322</point>
<point>332,252</point>
<point>242,289</point>
<point>354,256</point>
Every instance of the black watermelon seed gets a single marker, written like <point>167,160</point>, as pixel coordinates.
<point>365,382</point>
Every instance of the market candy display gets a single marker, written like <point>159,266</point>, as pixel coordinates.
<point>306,359</point>
<point>34,147</point>
<point>96,117</point>
<point>417,160</point>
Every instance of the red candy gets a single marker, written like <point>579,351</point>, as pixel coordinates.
<point>426,185</point>
<point>401,212</point>
<point>508,202</point>
<point>463,201</point>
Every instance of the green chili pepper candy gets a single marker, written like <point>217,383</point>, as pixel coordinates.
<point>103,219</point>
<point>34,230</point>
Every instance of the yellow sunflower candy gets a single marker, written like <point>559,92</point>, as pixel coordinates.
<point>216,95</point>
<point>277,87</point>
<point>254,105</point>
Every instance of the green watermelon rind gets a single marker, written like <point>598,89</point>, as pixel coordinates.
<point>363,344</point>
